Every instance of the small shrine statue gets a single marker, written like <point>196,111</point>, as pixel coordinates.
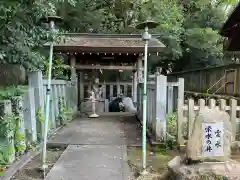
<point>95,95</point>
<point>93,98</point>
<point>98,91</point>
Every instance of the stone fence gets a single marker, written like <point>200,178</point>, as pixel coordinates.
<point>22,117</point>
<point>63,96</point>
<point>163,98</point>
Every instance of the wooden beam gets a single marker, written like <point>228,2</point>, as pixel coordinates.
<point>111,67</point>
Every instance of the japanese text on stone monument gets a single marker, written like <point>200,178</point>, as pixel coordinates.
<point>212,139</point>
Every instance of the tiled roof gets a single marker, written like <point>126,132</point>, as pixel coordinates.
<point>111,43</point>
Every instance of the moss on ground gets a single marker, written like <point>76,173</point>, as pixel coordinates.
<point>32,171</point>
<point>156,163</point>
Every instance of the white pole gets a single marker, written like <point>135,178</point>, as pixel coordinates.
<point>94,106</point>
<point>44,165</point>
<point>144,132</point>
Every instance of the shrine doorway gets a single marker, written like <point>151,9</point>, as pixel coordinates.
<point>112,79</point>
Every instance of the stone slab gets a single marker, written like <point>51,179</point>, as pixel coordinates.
<point>105,130</point>
<point>91,162</point>
<point>207,170</point>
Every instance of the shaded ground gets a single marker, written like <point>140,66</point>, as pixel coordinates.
<point>92,162</point>
<point>32,170</point>
<point>97,148</point>
<point>156,163</point>
<point>105,130</point>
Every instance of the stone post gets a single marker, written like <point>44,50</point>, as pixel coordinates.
<point>35,81</point>
<point>170,99</point>
<point>106,105</point>
<point>52,109</point>
<point>55,103</point>
<point>161,102</point>
<point>30,115</point>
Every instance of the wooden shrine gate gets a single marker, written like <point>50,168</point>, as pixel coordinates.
<point>93,53</point>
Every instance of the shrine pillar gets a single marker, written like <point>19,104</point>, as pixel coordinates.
<point>134,87</point>
<point>81,89</point>
<point>74,82</point>
<point>73,67</point>
<point>140,69</point>
<point>139,81</point>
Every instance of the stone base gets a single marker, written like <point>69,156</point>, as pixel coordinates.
<point>229,170</point>
<point>93,116</point>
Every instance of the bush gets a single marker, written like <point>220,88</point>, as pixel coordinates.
<point>172,124</point>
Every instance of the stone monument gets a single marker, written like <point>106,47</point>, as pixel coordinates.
<point>208,149</point>
<point>211,136</point>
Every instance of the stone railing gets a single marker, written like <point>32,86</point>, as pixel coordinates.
<point>163,98</point>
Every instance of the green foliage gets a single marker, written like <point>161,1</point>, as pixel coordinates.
<point>40,122</point>
<point>188,28</point>
<point>7,126</point>
<point>7,149</point>
<point>58,68</point>
<point>11,91</point>
<point>172,124</point>
<point>30,146</point>
<point>6,153</point>
<point>111,15</point>
<point>65,114</point>
<point>22,35</point>
<point>202,45</point>
<point>19,137</point>
<point>19,133</point>
<point>170,17</point>
<point>19,142</point>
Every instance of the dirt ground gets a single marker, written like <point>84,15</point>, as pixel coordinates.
<point>156,163</point>
<point>32,171</point>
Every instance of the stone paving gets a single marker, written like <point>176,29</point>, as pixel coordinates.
<point>97,148</point>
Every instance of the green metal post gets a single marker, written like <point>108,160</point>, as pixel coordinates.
<point>144,132</point>
<point>146,37</point>
<point>47,102</point>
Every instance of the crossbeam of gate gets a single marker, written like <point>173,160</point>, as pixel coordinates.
<point>110,67</point>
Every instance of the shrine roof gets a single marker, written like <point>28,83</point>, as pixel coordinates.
<point>231,30</point>
<point>119,43</point>
<point>232,22</point>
